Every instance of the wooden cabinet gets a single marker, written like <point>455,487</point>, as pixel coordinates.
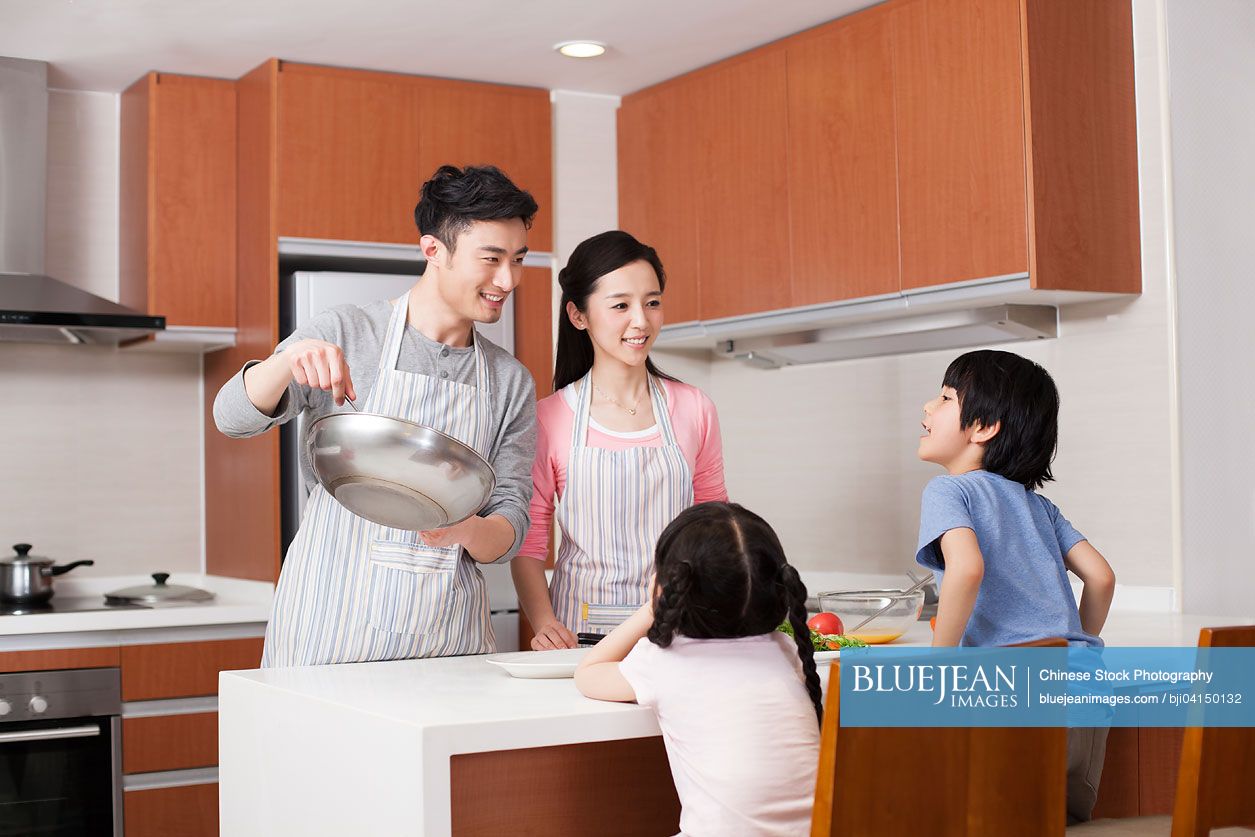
<point>658,150</point>
<point>355,147</point>
<point>183,669</point>
<point>842,189</point>
<point>922,143</point>
<point>104,657</point>
<point>184,811</point>
<point>533,326</point>
<point>177,199</point>
<point>169,742</point>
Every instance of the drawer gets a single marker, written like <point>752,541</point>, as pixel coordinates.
<point>187,811</point>
<point>183,669</point>
<point>169,742</point>
<point>104,657</point>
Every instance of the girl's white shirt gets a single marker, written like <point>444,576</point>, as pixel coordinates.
<point>739,728</point>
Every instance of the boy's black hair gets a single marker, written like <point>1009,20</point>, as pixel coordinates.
<point>455,198</point>
<point>721,574</point>
<point>1020,396</point>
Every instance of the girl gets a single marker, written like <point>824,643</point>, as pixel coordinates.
<point>622,448</point>
<point>736,699</point>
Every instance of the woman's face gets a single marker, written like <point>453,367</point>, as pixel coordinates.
<point>623,314</point>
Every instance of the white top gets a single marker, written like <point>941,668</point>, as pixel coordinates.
<point>740,730</point>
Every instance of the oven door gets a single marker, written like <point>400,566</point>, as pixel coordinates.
<point>61,777</point>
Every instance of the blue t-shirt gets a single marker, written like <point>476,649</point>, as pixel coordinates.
<point>1025,593</point>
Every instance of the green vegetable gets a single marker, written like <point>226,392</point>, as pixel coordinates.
<point>821,642</point>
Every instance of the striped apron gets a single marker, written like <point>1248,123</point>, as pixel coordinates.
<point>616,504</point>
<point>354,591</point>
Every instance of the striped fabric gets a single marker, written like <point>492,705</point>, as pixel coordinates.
<point>355,591</point>
<point>616,504</point>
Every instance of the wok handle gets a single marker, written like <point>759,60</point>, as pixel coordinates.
<point>65,568</point>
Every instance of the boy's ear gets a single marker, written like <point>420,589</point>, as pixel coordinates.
<point>982,434</point>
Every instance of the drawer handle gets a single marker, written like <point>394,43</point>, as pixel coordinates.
<point>86,731</point>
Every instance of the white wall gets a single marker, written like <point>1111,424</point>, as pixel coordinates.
<point>1211,56</point>
<point>101,447</point>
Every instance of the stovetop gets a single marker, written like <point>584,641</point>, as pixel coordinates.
<point>64,604</point>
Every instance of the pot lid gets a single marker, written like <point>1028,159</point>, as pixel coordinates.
<point>23,556</point>
<point>158,593</point>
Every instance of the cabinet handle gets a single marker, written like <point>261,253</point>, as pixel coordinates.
<point>86,731</point>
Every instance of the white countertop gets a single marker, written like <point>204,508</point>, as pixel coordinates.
<point>236,601</point>
<point>293,740</point>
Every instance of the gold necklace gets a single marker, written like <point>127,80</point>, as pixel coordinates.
<point>631,411</point>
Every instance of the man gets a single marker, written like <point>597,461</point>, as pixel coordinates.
<point>351,590</point>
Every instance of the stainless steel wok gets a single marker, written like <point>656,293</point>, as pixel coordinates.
<point>397,473</point>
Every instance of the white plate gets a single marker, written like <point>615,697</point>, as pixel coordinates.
<point>537,665</point>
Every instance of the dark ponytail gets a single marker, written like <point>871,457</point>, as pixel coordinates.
<point>592,259</point>
<point>722,573</point>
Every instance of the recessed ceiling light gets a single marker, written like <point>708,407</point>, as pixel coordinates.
<point>581,49</point>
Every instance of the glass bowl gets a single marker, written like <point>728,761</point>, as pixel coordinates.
<point>853,606</point>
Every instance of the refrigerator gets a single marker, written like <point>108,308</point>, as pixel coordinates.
<point>305,294</point>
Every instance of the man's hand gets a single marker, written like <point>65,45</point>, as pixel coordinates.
<point>318,364</point>
<point>459,533</point>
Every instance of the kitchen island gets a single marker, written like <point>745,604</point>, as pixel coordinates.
<point>457,746</point>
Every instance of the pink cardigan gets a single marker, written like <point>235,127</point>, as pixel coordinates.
<point>696,427</point>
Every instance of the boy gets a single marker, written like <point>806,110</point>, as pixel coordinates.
<point>1000,551</point>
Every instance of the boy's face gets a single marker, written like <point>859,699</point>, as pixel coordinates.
<point>484,268</point>
<point>943,441</point>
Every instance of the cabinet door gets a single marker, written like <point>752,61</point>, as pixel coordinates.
<point>843,202</point>
<point>533,326</point>
<point>657,141</point>
<point>184,669</point>
<point>961,160</point>
<point>348,155</point>
<point>184,811</point>
<point>742,186</point>
<point>464,123</point>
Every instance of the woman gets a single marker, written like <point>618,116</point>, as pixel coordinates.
<point>622,448</point>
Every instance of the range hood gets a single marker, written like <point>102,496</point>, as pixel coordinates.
<point>35,308</point>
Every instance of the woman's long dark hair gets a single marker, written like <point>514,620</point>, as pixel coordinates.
<point>591,260</point>
<point>722,574</point>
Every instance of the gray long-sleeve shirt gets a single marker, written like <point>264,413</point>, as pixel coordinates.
<point>359,332</point>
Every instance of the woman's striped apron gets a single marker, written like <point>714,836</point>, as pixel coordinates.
<point>616,504</point>
<point>352,590</point>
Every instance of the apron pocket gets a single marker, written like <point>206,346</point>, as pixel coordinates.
<point>409,586</point>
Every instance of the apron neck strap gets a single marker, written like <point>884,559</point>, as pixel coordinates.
<point>396,330</point>
<point>583,411</point>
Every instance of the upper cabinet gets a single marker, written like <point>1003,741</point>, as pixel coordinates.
<point>355,147</point>
<point>177,199</point>
<point>916,144</point>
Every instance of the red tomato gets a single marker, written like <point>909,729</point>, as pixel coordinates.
<point>825,623</point>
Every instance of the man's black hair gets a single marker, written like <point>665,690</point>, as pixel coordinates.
<point>455,198</point>
<point>1021,397</point>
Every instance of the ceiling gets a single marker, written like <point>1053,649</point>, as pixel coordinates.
<point>106,44</point>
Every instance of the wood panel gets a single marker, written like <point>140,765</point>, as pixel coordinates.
<point>465,123</point>
<point>533,326</point>
<point>169,742</point>
<point>348,157</point>
<point>657,146</point>
<point>960,123</point>
<point>742,186</point>
<point>1159,761</point>
<point>192,238</point>
<point>242,537</point>
<point>1119,787</point>
<point>134,193</point>
<point>183,669</point>
<point>639,798</point>
<point>1084,212</point>
<point>51,659</point>
<point>843,193</point>
<point>187,811</point>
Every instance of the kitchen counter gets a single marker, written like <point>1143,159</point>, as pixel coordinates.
<point>368,748</point>
<point>237,602</point>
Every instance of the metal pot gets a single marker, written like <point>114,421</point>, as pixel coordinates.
<point>27,578</point>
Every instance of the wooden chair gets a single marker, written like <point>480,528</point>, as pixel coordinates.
<point>1216,780</point>
<point>948,782</point>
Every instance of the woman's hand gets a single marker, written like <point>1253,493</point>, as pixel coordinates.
<point>318,364</point>
<point>553,635</point>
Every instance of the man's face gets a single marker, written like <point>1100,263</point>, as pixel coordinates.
<point>483,269</point>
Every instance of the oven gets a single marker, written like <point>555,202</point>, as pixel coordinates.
<point>61,753</point>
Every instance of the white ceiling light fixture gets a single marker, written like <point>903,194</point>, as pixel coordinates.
<point>581,49</point>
